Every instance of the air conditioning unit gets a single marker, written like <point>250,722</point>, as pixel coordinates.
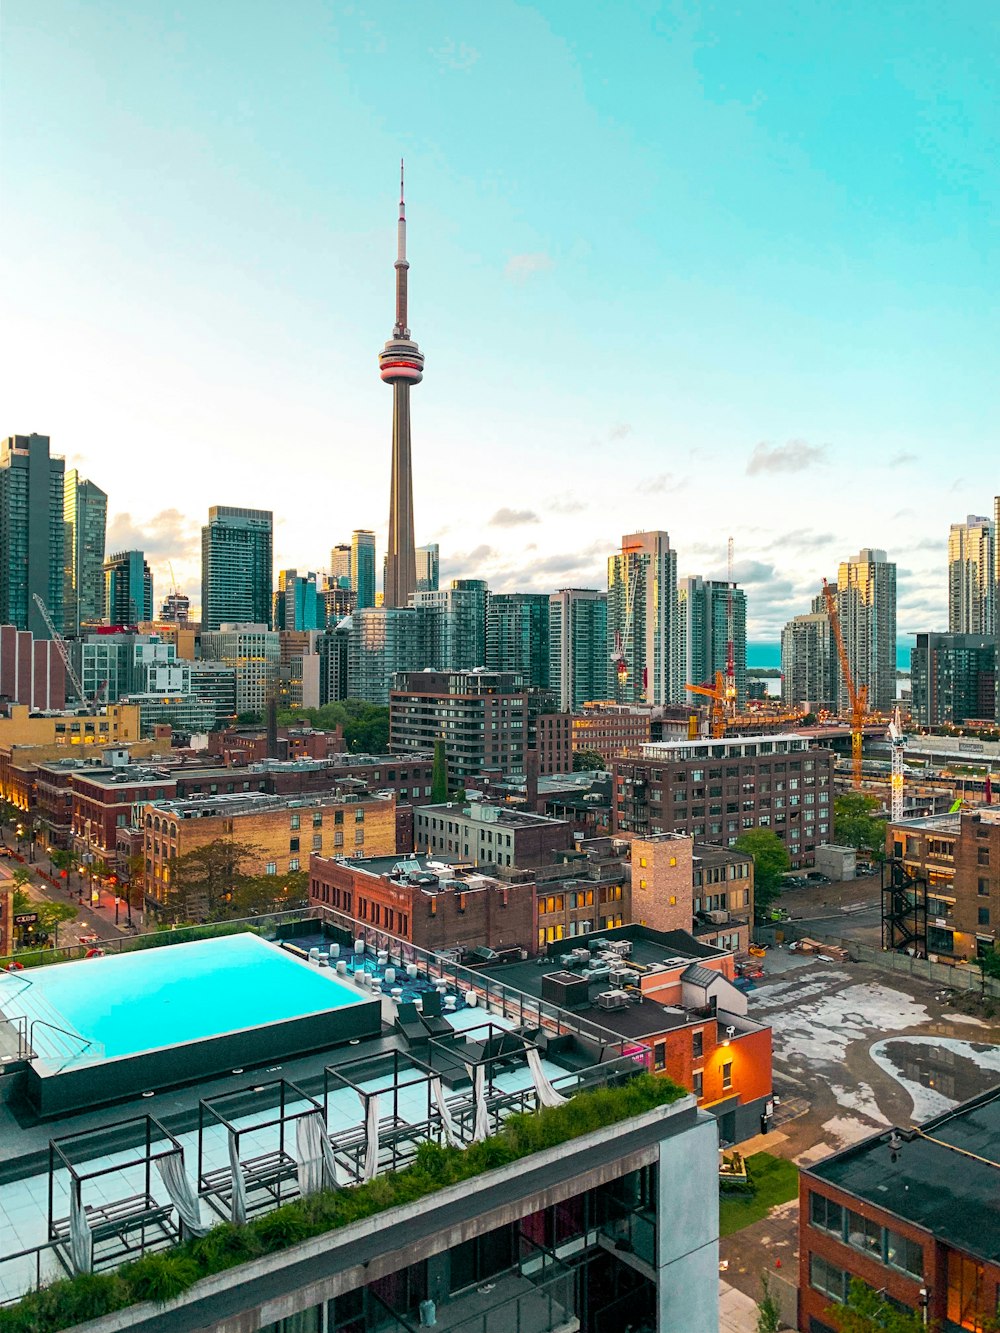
<point>621,976</point>
<point>599,972</point>
<point>623,948</point>
<point>612,999</point>
<point>718,918</point>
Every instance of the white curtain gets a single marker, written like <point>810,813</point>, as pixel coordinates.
<point>447,1124</point>
<point>547,1095</point>
<point>182,1196</point>
<point>81,1243</point>
<point>317,1167</point>
<point>371,1138</point>
<point>481,1124</point>
<point>239,1207</point>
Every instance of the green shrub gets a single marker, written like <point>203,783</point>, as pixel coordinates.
<point>161,1276</point>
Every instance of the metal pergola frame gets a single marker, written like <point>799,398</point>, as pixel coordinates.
<point>116,1221</point>
<point>274,1174</point>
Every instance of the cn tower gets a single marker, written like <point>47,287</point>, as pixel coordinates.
<point>401,363</point>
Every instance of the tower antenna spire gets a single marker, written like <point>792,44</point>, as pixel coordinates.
<point>400,330</point>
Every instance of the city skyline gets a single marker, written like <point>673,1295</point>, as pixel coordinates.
<point>260,297</point>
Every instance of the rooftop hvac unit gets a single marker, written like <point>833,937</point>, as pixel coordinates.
<point>718,918</point>
<point>599,972</point>
<point>623,948</point>
<point>612,999</point>
<point>596,946</point>
<point>620,976</point>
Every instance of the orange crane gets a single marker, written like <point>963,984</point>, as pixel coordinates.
<point>858,694</point>
<point>719,696</point>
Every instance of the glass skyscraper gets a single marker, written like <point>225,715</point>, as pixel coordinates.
<point>31,533</point>
<point>363,567</point>
<point>236,567</point>
<point>128,588</point>
<point>85,513</point>
<point>578,646</point>
<point>517,635</point>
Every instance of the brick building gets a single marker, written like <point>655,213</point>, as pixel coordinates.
<point>673,993</point>
<point>942,895</point>
<point>718,789</point>
<point>489,835</point>
<point>425,902</point>
<point>553,739</point>
<point>612,730</point>
<point>913,1214</point>
<point>481,715</point>
<point>248,745</point>
<point>286,829</point>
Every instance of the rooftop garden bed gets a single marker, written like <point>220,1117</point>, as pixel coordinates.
<point>165,1275</point>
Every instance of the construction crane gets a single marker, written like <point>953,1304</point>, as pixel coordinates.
<point>857,694</point>
<point>718,709</point>
<point>897,744</point>
<point>63,651</point>
<point>620,655</point>
<point>731,697</point>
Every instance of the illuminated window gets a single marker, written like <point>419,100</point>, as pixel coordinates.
<point>727,1075</point>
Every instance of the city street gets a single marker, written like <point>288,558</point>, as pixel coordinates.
<point>92,919</point>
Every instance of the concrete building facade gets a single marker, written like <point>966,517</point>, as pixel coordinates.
<point>810,668</point>
<point>971,562</point>
<point>644,621</point>
<point>489,835</point>
<point>866,604</point>
<point>31,670</point>
<point>482,716</point>
<point>254,652</point>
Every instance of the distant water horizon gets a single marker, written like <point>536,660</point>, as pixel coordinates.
<point>766,654</point>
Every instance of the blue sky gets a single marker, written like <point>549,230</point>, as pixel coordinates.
<point>711,268</point>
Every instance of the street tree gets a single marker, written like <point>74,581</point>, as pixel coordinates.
<point>586,761</point>
<point>867,1311</point>
<point>52,915</point>
<point>205,881</point>
<point>857,823</point>
<point>770,862</point>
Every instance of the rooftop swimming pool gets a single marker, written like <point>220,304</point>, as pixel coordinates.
<point>174,995</point>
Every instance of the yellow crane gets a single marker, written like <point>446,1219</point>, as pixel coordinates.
<point>718,708</point>
<point>857,694</point>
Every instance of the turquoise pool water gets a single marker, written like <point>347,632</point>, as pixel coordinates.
<point>152,998</point>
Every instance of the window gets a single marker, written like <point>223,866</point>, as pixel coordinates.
<point>984,916</point>
<point>271,868</point>
<point>698,1044</point>
<point>660,1055</point>
<point>904,1254</point>
<point>293,864</point>
<point>698,1083</point>
<point>294,822</point>
<point>984,888</point>
<point>338,816</point>
<point>317,842</point>
<point>317,819</point>
<point>863,1234</point>
<point>965,1279</point>
<point>727,1075</point>
<point>293,844</point>
<point>827,1278</point>
<point>826,1215</point>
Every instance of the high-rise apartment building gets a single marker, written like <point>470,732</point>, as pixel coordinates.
<point>517,635</point>
<point>453,625</point>
<point>428,566</point>
<point>643,622</point>
<point>255,652</point>
<point>32,544</point>
<point>971,598</point>
<point>401,364</point>
<point>236,567</point>
<point>340,566</point>
<point>363,567</point>
<point>128,588</point>
<point>953,678</point>
<point>578,646</point>
<point>810,669</point>
<point>382,640</point>
<point>482,716</point>
<point>296,603</point>
<point>85,513</point>
<point>176,608</point>
<point>703,612</point>
<point>866,603</point>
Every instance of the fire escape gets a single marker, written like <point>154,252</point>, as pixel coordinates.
<point>904,909</point>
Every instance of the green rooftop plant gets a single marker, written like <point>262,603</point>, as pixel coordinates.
<point>164,1275</point>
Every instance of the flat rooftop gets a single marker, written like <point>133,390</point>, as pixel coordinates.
<point>489,816</point>
<point>253,802</point>
<point>946,1176</point>
<point>950,822</point>
<point>730,747</point>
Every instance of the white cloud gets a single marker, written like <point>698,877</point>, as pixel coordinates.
<point>520,268</point>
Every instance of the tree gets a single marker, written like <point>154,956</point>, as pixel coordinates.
<point>439,778</point>
<point>51,915</point>
<point>768,1309</point>
<point>867,1311</point>
<point>585,761</point>
<point>856,823</point>
<point>770,862</point>
<point>365,725</point>
<point>204,881</point>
